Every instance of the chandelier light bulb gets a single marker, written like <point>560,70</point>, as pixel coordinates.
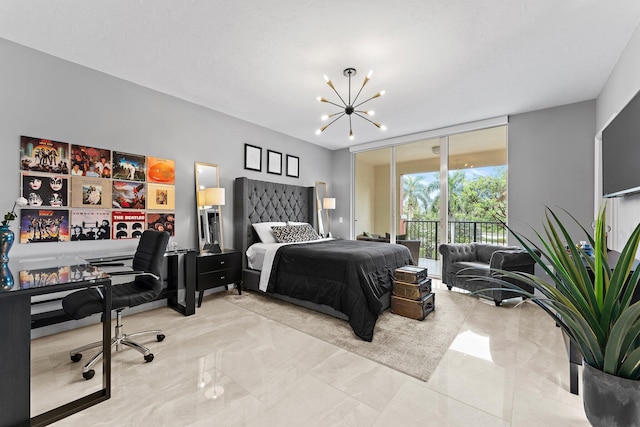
<point>326,78</point>
<point>370,74</point>
<point>383,127</point>
<point>318,131</point>
<point>351,135</point>
<point>382,92</point>
<point>371,113</point>
<point>324,118</point>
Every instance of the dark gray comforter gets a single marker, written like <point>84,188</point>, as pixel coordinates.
<point>347,275</point>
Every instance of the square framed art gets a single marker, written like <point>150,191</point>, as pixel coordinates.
<point>274,162</point>
<point>252,157</point>
<point>293,166</point>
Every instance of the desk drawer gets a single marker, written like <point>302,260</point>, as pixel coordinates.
<point>216,262</point>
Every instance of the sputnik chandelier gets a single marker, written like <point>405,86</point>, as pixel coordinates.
<point>349,108</point>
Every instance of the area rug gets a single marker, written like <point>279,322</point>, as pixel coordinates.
<point>406,345</point>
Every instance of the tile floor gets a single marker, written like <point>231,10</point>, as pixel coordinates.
<point>226,366</point>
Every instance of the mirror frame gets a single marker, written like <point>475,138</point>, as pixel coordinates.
<point>202,214</point>
<point>322,214</point>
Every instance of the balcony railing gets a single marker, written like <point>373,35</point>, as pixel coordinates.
<point>459,232</point>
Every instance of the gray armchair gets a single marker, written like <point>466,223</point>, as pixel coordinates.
<point>479,259</point>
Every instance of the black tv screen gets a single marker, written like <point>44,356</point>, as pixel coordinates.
<point>621,152</point>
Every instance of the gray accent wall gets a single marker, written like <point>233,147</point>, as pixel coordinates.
<point>622,85</point>
<point>550,163</point>
<point>47,97</point>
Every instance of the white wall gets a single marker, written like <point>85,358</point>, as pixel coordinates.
<point>46,97</point>
<point>622,85</point>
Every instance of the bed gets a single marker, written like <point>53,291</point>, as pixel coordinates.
<point>347,279</point>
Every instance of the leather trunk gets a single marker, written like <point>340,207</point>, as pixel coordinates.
<point>414,291</point>
<point>410,274</point>
<point>413,309</point>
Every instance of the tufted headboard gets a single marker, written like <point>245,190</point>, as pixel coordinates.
<point>261,201</point>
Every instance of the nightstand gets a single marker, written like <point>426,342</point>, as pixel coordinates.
<point>215,270</point>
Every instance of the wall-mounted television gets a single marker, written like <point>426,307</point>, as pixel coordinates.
<point>621,152</point>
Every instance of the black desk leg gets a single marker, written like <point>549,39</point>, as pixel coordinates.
<point>173,282</point>
<point>15,356</point>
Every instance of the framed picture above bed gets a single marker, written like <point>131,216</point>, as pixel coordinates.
<point>252,157</point>
<point>274,162</point>
<point>293,166</point>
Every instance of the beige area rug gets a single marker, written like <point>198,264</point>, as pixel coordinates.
<point>406,345</point>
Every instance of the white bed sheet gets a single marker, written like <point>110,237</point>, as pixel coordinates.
<point>260,257</point>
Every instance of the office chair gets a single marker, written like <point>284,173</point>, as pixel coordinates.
<point>146,286</point>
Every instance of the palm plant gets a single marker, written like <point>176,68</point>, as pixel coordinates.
<point>414,193</point>
<point>589,298</point>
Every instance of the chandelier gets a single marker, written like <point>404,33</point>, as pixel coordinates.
<point>349,107</point>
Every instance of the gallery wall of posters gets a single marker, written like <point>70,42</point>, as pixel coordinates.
<point>112,194</point>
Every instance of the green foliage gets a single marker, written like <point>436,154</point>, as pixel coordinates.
<point>593,309</point>
<point>481,198</point>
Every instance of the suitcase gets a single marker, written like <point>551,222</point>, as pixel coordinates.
<point>410,274</point>
<point>411,308</point>
<point>413,291</point>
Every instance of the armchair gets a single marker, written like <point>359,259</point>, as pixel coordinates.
<point>480,259</point>
<point>146,286</point>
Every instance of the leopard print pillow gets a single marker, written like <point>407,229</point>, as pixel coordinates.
<point>294,233</point>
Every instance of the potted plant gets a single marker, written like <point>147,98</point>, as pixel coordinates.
<point>591,300</point>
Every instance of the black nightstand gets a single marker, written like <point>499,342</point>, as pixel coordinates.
<point>214,270</point>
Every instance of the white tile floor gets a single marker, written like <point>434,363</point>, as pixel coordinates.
<point>226,366</point>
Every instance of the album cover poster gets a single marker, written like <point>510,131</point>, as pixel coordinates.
<point>92,193</point>
<point>128,195</point>
<point>127,224</point>
<point>161,197</point>
<point>45,190</point>
<point>44,155</point>
<point>130,167</point>
<point>162,222</point>
<point>90,224</point>
<point>161,171</point>
<point>44,225</point>
<point>90,161</point>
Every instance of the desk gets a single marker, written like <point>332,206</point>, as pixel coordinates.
<point>38,276</point>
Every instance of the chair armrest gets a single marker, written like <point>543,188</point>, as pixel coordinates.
<point>511,260</point>
<point>133,272</point>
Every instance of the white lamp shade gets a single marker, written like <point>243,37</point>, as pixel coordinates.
<point>329,203</point>
<point>213,196</point>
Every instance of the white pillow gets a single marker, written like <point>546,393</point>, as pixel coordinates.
<point>263,229</point>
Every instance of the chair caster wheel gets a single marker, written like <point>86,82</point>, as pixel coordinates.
<point>160,337</point>
<point>148,357</point>
<point>89,374</point>
<point>76,357</point>
<point>497,302</point>
<point>449,287</point>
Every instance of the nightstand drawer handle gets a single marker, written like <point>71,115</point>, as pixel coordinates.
<point>222,278</point>
<point>221,262</point>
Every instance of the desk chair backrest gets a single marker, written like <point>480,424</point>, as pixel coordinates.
<point>149,258</point>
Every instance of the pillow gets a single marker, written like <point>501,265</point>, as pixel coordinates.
<point>366,234</point>
<point>296,223</point>
<point>263,230</point>
<point>294,233</point>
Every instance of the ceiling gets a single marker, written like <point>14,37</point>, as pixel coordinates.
<point>441,62</point>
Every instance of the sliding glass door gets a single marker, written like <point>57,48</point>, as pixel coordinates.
<point>438,190</point>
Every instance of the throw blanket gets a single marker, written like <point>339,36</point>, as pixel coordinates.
<point>347,275</point>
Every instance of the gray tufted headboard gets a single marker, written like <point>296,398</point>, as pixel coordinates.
<point>261,201</point>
